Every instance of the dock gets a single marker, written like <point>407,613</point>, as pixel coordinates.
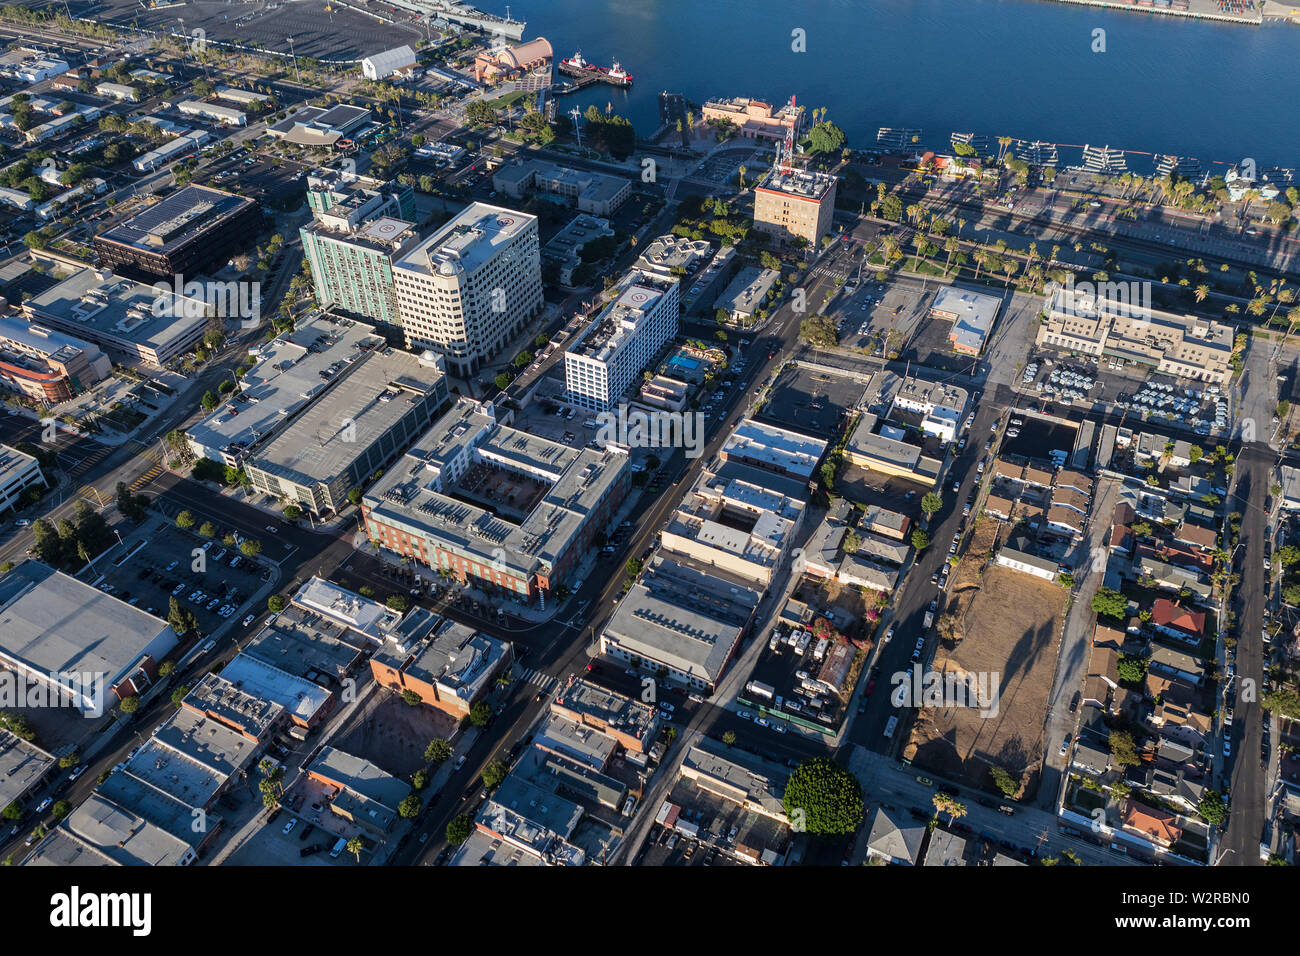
<point>1248,12</point>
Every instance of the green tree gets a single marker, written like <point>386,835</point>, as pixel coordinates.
<point>250,548</point>
<point>275,603</point>
<point>130,705</point>
<point>824,799</point>
<point>410,807</point>
<point>1131,670</point>
<point>1108,602</point>
<point>930,504</point>
<point>480,714</point>
<point>209,401</point>
<point>178,694</point>
<point>185,519</point>
<point>729,737</point>
<point>1122,749</point>
<point>1212,808</point>
<point>410,697</point>
<point>494,773</point>
<point>459,829</point>
<point>208,529</point>
<point>292,512</point>
<point>920,540</point>
<point>438,751</point>
<point>1007,784</point>
<point>398,602</point>
<point>502,380</point>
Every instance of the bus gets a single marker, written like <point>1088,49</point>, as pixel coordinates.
<point>891,725</point>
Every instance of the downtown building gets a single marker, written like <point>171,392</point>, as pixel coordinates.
<point>45,365</point>
<point>194,228</point>
<point>483,501</point>
<point>359,228</point>
<point>795,204</point>
<point>472,286</point>
<point>602,363</point>
<point>1106,325</point>
<point>381,403</point>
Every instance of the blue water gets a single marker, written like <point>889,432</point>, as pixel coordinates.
<point>1021,68</point>
<point>686,363</point>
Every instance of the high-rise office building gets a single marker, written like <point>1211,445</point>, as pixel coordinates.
<point>470,287</point>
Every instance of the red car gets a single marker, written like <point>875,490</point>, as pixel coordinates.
<point>871,685</point>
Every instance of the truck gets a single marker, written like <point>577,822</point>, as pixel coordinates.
<point>890,726</point>
<point>819,652</point>
<point>929,619</point>
<point>759,689</point>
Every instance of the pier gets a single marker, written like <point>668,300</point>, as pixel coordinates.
<point>1228,11</point>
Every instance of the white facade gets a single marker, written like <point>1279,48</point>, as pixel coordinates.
<point>18,472</point>
<point>468,289</point>
<point>602,364</point>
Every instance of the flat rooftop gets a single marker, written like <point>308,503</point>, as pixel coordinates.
<point>458,659</point>
<point>606,707</point>
<point>777,448</point>
<point>13,463</point>
<point>191,756</point>
<point>301,698</point>
<point>118,308</point>
<point>228,701</point>
<point>737,776</point>
<point>188,212</point>
<point>302,644</point>
<point>292,370</point>
<point>414,494</point>
<point>99,832</point>
<point>620,321</point>
<point>51,622</point>
<point>800,183</point>
<point>476,234</point>
<point>680,615</point>
<point>372,396</point>
<point>361,777</point>
<point>346,609</point>
<point>21,765</point>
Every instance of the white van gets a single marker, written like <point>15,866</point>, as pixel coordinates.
<point>339,847</point>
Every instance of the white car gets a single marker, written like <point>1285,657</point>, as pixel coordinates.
<point>744,715</point>
<point>666,707</point>
<point>288,827</point>
<point>1065,745</point>
<point>779,728</point>
<point>761,721</point>
<point>247,621</point>
<point>44,805</point>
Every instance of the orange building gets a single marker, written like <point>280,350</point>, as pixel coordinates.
<point>447,665</point>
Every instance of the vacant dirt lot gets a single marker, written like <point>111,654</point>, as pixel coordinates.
<point>1009,625</point>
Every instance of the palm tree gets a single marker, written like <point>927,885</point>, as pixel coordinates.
<point>741,170</point>
<point>950,246</point>
<point>355,846</point>
<point>1003,143</point>
<point>981,257</point>
<point>1202,291</point>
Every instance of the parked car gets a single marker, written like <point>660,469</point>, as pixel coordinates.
<point>288,827</point>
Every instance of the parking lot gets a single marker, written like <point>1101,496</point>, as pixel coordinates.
<point>1099,384</point>
<point>812,402</point>
<point>164,569</point>
<point>720,827</point>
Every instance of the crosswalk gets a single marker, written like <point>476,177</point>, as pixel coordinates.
<point>539,679</point>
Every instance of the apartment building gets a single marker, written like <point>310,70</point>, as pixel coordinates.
<point>610,354</point>
<point>482,500</point>
<point>18,472</point>
<point>45,365</point>
<point>795,205</point>
<point>449,666</point>
<point>1105,325</point>
<point>936,406</point>
<point>472,286</point>
<point>739,520</point>
<point>773,449</point>
<point>359,228</point>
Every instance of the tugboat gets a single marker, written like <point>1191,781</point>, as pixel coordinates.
<point>576,66</point>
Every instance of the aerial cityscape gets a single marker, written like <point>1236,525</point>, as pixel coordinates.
<point>439,435</point>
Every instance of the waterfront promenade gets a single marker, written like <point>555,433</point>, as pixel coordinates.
<point>1239,12</point>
